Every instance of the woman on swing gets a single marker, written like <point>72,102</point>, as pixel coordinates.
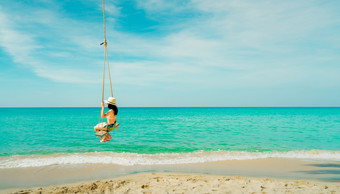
<point>111,117</point>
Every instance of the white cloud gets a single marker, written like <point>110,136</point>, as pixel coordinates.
<point>257,43</point>
<point>112,9</point>
<point>25,50</point>
<point>158,5</point>
<point>12,41</point>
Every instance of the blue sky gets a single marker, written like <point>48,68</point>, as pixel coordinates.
<point>170,53</point>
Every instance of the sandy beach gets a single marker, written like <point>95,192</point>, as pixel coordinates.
<point>247,176</point>
<point>187,183</point>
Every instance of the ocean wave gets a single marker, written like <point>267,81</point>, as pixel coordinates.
<point>129,159</point>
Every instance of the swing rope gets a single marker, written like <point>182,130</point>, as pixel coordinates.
<point>106,59</point>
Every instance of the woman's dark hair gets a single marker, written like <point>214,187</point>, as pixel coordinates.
<point>113,107</point>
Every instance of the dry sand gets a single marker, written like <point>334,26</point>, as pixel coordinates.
<point>188,183</point>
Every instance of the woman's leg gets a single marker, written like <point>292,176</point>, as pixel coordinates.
<point>100,127</point>
<point>105,139</point>
<point>96,128</point>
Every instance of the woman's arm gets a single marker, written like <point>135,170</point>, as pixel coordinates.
<point>102,111</point>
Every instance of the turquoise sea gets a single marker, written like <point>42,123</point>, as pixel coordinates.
<point>46,136</point>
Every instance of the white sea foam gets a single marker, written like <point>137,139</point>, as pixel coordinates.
<point>129,159</point>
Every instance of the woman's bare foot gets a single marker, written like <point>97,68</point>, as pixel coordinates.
<point>104,140</point>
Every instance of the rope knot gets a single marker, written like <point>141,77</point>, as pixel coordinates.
<point>104,43</point>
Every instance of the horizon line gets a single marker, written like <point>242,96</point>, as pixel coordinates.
<point>176,107</point>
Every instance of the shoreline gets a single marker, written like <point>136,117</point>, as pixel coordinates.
<point>172,158</point>
<point>188,183</point>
